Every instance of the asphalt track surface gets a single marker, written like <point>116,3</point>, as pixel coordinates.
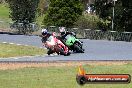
<point>99,50</point>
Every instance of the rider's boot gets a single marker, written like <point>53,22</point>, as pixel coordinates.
<point>49,52</point>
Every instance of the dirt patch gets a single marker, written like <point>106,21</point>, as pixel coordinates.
<point>15,65</point>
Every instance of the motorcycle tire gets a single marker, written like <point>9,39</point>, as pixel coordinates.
<point>68,54</point>
<point>50,52</point>
<point>63,53</point>
<point>78,49</point>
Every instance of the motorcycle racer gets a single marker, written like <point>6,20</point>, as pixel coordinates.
<point>46,35</point>
<point>64,33</point>
<point>70,40</point>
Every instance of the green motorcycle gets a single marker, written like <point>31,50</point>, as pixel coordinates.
<point>74,44</point>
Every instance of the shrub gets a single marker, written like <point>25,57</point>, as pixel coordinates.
<point>87,21</point>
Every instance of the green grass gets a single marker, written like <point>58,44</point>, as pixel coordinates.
<point>4,12</point>
<point>58,77</point>
<point>8,50</point>
<point>4,16</point>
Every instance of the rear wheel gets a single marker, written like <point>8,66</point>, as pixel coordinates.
<point>78,48</point>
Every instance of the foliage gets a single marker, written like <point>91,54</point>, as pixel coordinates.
<point>127,15</point>
<point>63,12</point>
<point>86,3</point>
<point>87,21</point>
<point>4,12</point>
<point>2,1</point>
<point>102,7</point>
<point>23,11</point>
<point>123,13</point>
<point>103,25</point>
<point>42,7</point>
<point>118,22</point>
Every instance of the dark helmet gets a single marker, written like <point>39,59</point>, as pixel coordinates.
<point>44,31</point>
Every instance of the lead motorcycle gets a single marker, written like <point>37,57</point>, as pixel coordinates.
<point>56,46</point>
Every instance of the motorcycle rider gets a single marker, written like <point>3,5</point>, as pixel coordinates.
<point>64,33</point>
<point>45,36</point>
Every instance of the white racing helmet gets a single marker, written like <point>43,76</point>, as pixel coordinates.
<point>62,29</point>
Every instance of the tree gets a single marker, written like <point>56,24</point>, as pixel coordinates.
<point>2,1</point>
<point>86,2</point>
<point>63,12</point>
<point>42,6</point>
<point>127,15</point>
<point>23,11</point>
<point>87,21</point>
<point>122,16</point>
<point>103,8</point>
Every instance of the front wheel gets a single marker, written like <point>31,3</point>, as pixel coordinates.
<point>50,51</point>
<point>63,52</point>
<point>68,54</point>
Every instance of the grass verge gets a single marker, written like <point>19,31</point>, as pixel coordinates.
<point>12,50</point>
<point>4,17</point>
<point>4,11</point>
<point>60,76</point>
